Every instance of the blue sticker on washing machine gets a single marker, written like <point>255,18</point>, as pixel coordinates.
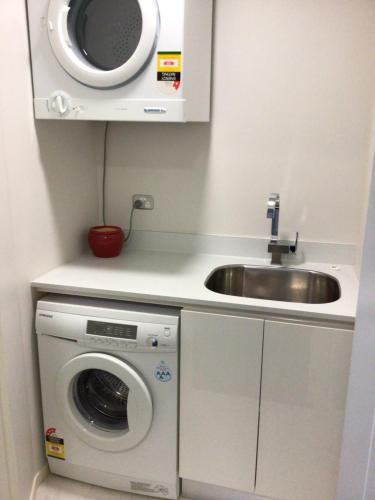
<point>162,372</point>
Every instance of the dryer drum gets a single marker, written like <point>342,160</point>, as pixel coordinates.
<point>106,32</point>
<point>102,399</point>
<point>103,43</point>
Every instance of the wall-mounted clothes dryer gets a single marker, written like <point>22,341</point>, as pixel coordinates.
<point>121,60</point>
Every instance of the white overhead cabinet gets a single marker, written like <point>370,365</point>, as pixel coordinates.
<point>220,384</point>
<point>302,372</point>
<point>304,386</point>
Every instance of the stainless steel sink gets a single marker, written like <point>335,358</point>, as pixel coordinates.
<point>270,283</point>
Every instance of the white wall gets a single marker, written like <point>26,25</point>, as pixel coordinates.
<point>291,86</point>
<point>4,482</point>
<point>47,200</point>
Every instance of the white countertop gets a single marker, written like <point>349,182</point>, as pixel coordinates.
<point>178,279</point>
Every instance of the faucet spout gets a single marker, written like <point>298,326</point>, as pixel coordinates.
<point>273,208</point>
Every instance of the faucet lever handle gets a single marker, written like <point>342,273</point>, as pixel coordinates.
<point>293,248</point>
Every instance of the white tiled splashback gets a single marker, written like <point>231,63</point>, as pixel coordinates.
<point>332,253</point>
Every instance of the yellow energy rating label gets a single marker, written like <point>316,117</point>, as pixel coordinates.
<point>169,67</point>
<point>54,444</point>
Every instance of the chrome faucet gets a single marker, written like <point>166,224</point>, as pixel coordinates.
<point>273,207</point>
<point>276,247</point>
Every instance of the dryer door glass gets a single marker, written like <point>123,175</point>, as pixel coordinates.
<point>103,43</point>
<point>107,32</point>
<point>102,399</point>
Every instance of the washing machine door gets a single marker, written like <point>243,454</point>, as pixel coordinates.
<point>103,43</point>
<point>104,401</point>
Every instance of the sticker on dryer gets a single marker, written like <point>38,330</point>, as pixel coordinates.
<point>54,444</point>
<point>162,372</point>
<point>169,70</point>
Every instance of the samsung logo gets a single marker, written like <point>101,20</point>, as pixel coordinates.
<point>46,315</point>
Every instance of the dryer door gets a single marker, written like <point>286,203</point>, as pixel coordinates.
<point>103,43</point>
<point>104,401</point>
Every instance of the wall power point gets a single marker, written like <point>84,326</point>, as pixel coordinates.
<point>143,201</point>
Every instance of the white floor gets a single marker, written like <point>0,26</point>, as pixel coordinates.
<point>59,488</point>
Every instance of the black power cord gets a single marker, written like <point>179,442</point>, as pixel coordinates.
<point>104,170</point>
<point>136,205</point>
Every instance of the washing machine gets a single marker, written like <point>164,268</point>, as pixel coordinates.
<point>109,378</point>
<point>121,60</point>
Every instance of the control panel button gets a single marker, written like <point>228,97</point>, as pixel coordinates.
<point>152,341</point>
<point>167,332</point>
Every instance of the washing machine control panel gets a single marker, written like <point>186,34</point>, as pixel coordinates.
<point>113,330</point>
<point>141,337</point>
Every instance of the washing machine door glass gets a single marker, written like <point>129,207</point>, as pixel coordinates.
<point>104,401</point>
<point>103,43</point>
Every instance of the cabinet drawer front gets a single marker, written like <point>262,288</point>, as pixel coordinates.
<point>219,400</point>
<point>304,385</point>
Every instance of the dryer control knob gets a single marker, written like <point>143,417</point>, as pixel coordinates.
<point>60,103</point>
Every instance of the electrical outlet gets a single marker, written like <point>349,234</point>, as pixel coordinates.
<point>146,200</point>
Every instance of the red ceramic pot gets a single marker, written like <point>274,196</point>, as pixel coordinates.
<point>106,241</point>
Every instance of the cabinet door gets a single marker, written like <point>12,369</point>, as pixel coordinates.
<point>219,399</point>
<point>304,385</point>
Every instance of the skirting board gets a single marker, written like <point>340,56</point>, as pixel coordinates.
<point>39,477</point>
<point>203,491</point>
<point>190,490</point>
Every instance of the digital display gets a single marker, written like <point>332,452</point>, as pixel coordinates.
<point>119,331</point>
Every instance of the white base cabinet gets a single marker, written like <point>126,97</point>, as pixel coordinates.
<point>304,386</point>
<point>302,382</point>
<point>219,398</point>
